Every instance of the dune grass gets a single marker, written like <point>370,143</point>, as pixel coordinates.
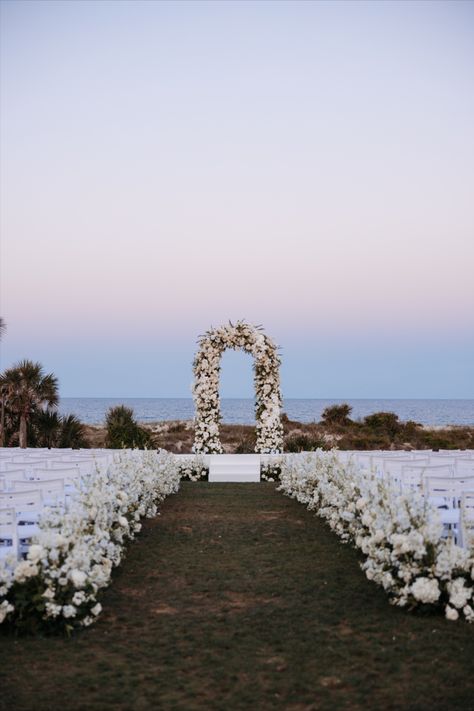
<point>238,598</point>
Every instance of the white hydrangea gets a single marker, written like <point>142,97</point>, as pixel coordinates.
<point>426,590</point>
<point>451,613</point>
<point>459,594</point>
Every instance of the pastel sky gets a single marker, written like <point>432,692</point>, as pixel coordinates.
<point>308,166</point>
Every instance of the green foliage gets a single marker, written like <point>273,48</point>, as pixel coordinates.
<point>26,390</point>
<point>337,415</point>
<point>46,426</point>
<point>246,445</point>
<point>386,423</point>
<point>48,429</point>
<point>72,433</point>
<point>303,443</point>
<point>123,431</point>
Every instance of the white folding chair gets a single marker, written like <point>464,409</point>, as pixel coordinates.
<point>467,519</point>
<point>70,476</point>
<point>464,466</point>
<point>52,490</point>
<point>28,506</point>
<point>393,467</point>
<point>14,472</point>
<point>413,474</point>
<point>85,465</point>
<point>8,533</point>
<point>55,472</point>
<point>28,462</point>
<point>445,493</point>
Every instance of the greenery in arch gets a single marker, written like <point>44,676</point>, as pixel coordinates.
<point>206,366</point>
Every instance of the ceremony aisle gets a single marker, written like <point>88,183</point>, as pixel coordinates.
<point>237,597</point>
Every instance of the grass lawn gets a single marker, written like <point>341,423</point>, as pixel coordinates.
<point>238,598</point>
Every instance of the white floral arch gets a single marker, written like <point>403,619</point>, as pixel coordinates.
<point>267,386</point>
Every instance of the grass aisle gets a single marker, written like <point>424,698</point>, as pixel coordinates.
<point>239,598</point>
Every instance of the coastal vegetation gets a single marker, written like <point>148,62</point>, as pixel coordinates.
<point>26,390</point>
<point>28,410</point>
<point>380,430</point>
<point>124,432</point>
<point>29,417</point>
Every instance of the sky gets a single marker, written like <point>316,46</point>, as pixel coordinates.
<point>307,166</point>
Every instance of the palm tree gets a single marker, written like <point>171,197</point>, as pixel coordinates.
<point>72,433</point>
<point>3,328</point>
<point>123,430</point>
<point>3,397</point>
<point>46,425</point>
<point>28,390</point>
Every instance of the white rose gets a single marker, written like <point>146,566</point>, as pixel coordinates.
<point>52,610</point>
<point>458,593</point>
<point>5,608</point>
<point>78,578</point>
<point>35,552</point>
<point>78,598</point>
<point>97,609</point>
<point>24,570</point>
<point>451,613</point>
<point>468,613</point>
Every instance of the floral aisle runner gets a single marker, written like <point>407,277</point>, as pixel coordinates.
<point>400,534</point>
<point>57,586</point>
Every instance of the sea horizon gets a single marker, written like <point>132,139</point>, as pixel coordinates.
<point>426,411</point>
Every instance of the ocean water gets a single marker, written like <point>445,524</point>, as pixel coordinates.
<point>241,411</point>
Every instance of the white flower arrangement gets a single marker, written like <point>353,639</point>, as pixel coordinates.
<point>400,534</point>
<point>267,387</point>
<point>73,556</point>
<point>194,469</point>
<point>271,470</point>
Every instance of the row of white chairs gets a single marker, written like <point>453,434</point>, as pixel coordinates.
<point>32,479</point>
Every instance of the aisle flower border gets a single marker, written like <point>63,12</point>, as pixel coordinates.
<point>399,534</point>
<point>206,368</point>
<point>71,560</point>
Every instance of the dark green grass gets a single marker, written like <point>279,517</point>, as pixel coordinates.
<point>238,598</point>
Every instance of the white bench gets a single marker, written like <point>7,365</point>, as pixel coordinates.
<point>234,467</point>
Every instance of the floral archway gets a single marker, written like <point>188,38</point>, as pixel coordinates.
<point>267,386</point>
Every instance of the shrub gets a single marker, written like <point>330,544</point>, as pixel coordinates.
<point>72,433</point>
<point>123,431</point>
<point>337,415</point>
<point>45,429</point>
<point>303,443</point>
<point>48,429</point>
<point>384,423</point>
<point>246,445</point>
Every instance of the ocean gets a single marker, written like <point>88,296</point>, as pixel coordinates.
<point>241,411</point>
